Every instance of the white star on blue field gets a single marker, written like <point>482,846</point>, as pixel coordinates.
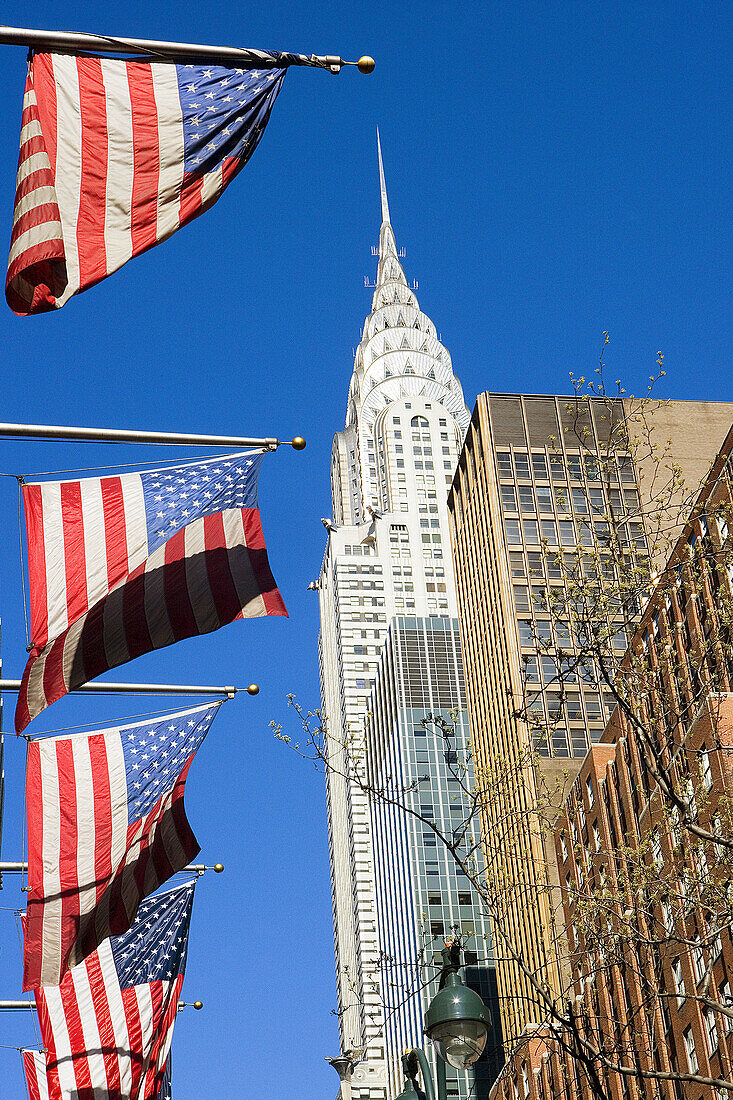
<point>176,497</point>
<point>225,112</point>
<point>154,948</point>
<point>155,755</point>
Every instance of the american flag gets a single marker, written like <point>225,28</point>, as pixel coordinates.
<point>107,1028</point>
<point>115,156</point>
<point>119,566</point>
<point>106,827</point>
<point>34,1064</point>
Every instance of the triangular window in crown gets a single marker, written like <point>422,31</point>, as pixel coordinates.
<point>374,354</point>
<point>409,369</point>
<point>387,346</point>
<point>405,343</point>
<point>431,374</point>
<point>400,319</point>
<point>396,296</point>
<point>425,346</point>
<point>387,372</point>
<point>439,357</point>
<point>417,323</point>
<point>386,323</point>
<point>387,400</point>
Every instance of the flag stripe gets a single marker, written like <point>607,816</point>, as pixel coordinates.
<point>170,146</point>
<point>33,505</point>
<point>56,570</point>
<point>74,551</point>
<point>86,826</point>
<point>68,162</point>
<point>146,156</point>
<point>73,812</point>
<point>99,781</point>
<point>90,223</point>
<point>44,86</point>
<point>120,172</point>
<point>51,853</point>
<point>115,530</point>
<point>95,540</point>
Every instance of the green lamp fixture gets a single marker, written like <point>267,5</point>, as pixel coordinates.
<point>457,1021</point>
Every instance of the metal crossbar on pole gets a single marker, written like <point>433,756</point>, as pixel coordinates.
<point>19,867</point>
<point>78,41</point>
<point>16,1006</point>
<point>122,435</point>
<point>101,687</point>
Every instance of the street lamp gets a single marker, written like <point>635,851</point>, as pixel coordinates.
<point>457,1022</point>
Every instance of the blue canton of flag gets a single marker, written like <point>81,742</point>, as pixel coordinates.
<point>176,496</point>
<point>154,949</point>
<point>225,112</point>
<point>156,754</point>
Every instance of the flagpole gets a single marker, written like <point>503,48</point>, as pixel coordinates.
<point>75,41</point>
<point>122,435</point>
<point>26,1006</point>
<point>19,867</point>
<point>101,687</point>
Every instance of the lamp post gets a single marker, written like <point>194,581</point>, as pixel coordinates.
<point>457,1022</point>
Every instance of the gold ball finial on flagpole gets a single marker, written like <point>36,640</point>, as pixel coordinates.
<point>218,868</point>
<point>253,689</point>
<point>298,443</point>
<point>198,1005</point>
<point>365,64</point>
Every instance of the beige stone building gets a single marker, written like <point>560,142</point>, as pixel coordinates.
<point>527,493</point>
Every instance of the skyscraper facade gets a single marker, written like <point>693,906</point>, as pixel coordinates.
<point>417,758</point>
<point>527,500</point>
<point>387,576</point>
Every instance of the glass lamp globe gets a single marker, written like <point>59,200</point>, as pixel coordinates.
<point>460,1042</point>
<point>457,1022</point>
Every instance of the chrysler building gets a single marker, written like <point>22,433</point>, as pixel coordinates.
<point>389,656</point>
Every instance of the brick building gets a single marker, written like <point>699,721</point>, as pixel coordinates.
<point>642,853</point>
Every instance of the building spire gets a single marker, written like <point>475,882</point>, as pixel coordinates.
<point>389,268</point>
<point>382,184</point>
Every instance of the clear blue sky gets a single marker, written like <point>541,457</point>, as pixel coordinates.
<point>554,170</point>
